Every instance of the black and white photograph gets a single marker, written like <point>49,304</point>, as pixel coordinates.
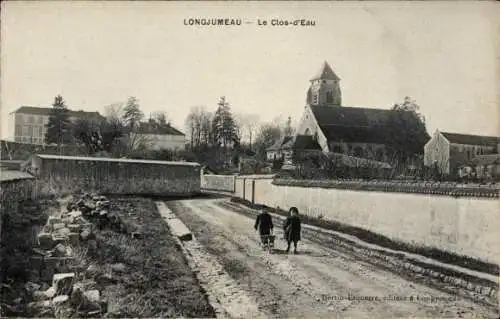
<point>249,159</point>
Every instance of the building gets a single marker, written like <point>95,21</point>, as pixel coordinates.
<point>28,123</point>
<point>161,136</point>
<point>450,151</point>
<point>352,131</point>
<point>281,149</point>
<point>482,167</point>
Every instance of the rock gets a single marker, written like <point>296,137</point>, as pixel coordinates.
<point>103,204</point>
<point>58,226</point>
<point>31,287</point>
<point>119,267</point>
<point>53,220</point>
<point>103,213</point>
<point>77,297</point>
<point>63,283</point>
<point>60,250</point>
<point>84,235</point>
<point>45,241</point>
<point>92,295</point>
<point>75,214</point>
<point>75,228</point>
<point>50,293</point>
<point>59,239</point>
<point>41,295</point>
<point>60,300</point>
<point>74,238</point>
<point>63,231</point>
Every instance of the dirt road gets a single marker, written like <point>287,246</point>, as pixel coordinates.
<point>319,282</point>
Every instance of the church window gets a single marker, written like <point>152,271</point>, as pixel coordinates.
<point>329,97</point>
<point>315,98</point>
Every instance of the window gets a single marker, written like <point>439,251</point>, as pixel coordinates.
<point>329,97</point>
<point>40,120</point>
<point>315,98</point>
<point>40,131</point>
<point>31,119</point>
<point>19,130</point>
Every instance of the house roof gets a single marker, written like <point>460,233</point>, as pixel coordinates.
<point>160,129</point>
<point>33,110</point>
<point>471,139</point>
<point>280,143</point>
<point>306,142</point>
<point>325,73</point>
<point>352,124</point>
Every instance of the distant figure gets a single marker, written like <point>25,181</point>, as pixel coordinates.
<point>292,229</point>
<point>264,223</point>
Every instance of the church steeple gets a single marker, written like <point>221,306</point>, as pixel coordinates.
<point>325,88</point>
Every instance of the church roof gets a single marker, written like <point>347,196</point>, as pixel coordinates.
<point>305,142</point>
<point>352,124</point>
<point>471,139</point>
<point>325,73</point>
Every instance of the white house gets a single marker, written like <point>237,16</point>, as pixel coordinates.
<point>162,136</point>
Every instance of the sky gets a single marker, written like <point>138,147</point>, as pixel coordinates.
<point>443,54</point>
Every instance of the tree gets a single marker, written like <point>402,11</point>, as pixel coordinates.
<point>406,132</point>
<point>199,126</point>
<point>249,124</point>
<point>224,126</point>
<point>98,135</point>
<point>161,118</point>
<point>59,125</point>
<point>288,130</point>
<point>269,133</point>
<point>131,117</point>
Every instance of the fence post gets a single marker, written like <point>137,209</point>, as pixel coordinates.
<point>244,186</point>
<point>253,191</point>
<point>234,184</point>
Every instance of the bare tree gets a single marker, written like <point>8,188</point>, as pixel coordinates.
<point>249,125</point>
<point>199,126</point>
<point>161,117</point>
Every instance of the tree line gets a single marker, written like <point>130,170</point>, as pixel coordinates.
<point>116,134</point>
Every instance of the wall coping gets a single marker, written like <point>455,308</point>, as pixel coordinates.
<point>396,187</point>
<point>10,176</point>
<point>115,160</point>
<point>268,176</point>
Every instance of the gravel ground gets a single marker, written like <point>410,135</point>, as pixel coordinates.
<point>319,282</point>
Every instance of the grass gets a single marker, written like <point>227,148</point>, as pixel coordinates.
<point>157,281</point>
<point>383,241</point>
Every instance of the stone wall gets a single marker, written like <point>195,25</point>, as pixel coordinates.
<point>224,183</point>
<point>64,175</point>
<point>15,187</point>
<point>453,218</point>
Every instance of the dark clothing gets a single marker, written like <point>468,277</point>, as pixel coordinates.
<point>292,229</point>
<point>264,223</point>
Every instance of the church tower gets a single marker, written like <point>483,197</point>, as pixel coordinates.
<point>325,88</point>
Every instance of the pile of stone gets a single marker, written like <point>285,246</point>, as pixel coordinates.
<point>55,262</point>
<point>64,293</point>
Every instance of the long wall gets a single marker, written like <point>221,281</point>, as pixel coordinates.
<point>66,174</point>
<point>15,187</point>
<point>465,223</point>
<point>225,183</point>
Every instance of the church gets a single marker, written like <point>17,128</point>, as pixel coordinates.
<point>328,126</point>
